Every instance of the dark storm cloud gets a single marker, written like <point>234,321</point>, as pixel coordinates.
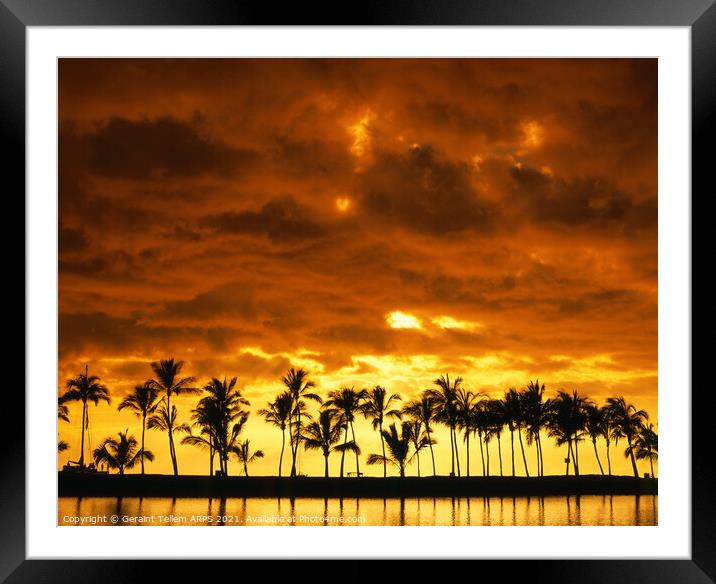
<point>282,219</point>
<point>421,191</point>
<point>71,240</point>
<point>595,202</point>
<point>160,148</point>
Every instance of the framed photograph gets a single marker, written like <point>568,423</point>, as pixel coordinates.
<point>425,275</point>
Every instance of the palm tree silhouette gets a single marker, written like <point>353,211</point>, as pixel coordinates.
<point>512,415</point>
<point>165,420</point>
<point>419,439</point>
<point>168,382</point>
<point>594,426</point>
<point>376,406</point>
<point>347,403</point>
<point>245,456</point>
<point>535,414</point>
<point>647,445</point>
<point>398,448</point>
<point>63,412</point>
<point>62,446</point>
<point>324,434</point>
<point>627,422</point>
<point>120,454</point>
<point>222,413</point>
<point>446,412</point>
<point>607,432</point>
<point>298,386</point>
<point>84,388</point>
<point>423,411</point>
<point>495,410</point>
<point>565,420</point>
<point>278,413</point>
<point>142,402</point>
<point>465,420</point>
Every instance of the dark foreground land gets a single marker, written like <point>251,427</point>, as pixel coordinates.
<point>104,485</point>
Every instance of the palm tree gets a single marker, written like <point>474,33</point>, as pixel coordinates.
<point>222,415</point>
<point>647,445</point>
<point>165,420</point>
<point>142,401</point>
<point>347,403</point>
<point>627,422</point>
<point>423,411</point>
<point>120,454</point>
<point>594,426</point>
<point>535,415</point>
<point>464,416</point>
<point>278,413</point>
<point>168,382</point>
<point>565,421</point>
<point>245,456</point>
<point>377,408</point>
<point>298,386</point>
<point>495,422</point>
<point>444,396</point>
<point>398,448</point>
<point>84,388</point>
<point>324,434</point>
<point>607,432</point>
<point>63,412</point>
<point>418,438</point>
<point>512,415</point>
<point>62,446</point>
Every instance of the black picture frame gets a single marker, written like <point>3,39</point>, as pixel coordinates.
<point>699,15</point>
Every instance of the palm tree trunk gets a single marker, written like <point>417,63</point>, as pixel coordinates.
<point>651,462</point>
<point>522,447</point>
<point>417,455</point>
<point>609,460</point>
<point>482,454</point>
<point>283,445</point>
<point>325,456</point>
<point>499,450</point>
<point>246,468</point>
<point>633,460</point>
<point>540,458</point>
<point>467,450</point>
<point>293,451</point>
<point>512,444</point>
<point>432,454</point>
<point>144,419</point>
<point>487,451</point>
<point>576,456</point>
<point>211,457</point>
<point>82,444</point>
<point>569,454</point>
<point>343,452</point>
<point>599,462</point>
<point>382,444</point>
<point>457,455</point>
<point>353,432</point>
<point>452,455</point>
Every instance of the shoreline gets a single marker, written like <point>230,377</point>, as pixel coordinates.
<point>194,486</point>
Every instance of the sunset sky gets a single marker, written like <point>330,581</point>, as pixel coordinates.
<point>375,221</point>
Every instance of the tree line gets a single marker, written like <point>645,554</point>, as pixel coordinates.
<point>405,429</point>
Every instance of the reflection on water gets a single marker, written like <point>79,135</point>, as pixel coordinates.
<point>584,510</point>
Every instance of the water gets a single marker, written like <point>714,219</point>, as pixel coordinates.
<point>583,510</point>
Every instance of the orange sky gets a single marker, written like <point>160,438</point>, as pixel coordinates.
<point>373,221</point>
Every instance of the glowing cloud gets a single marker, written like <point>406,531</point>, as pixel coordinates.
<point>448,322</point>
<point>402,320</point>
<point>533,134</point>
<point>343,204</point>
